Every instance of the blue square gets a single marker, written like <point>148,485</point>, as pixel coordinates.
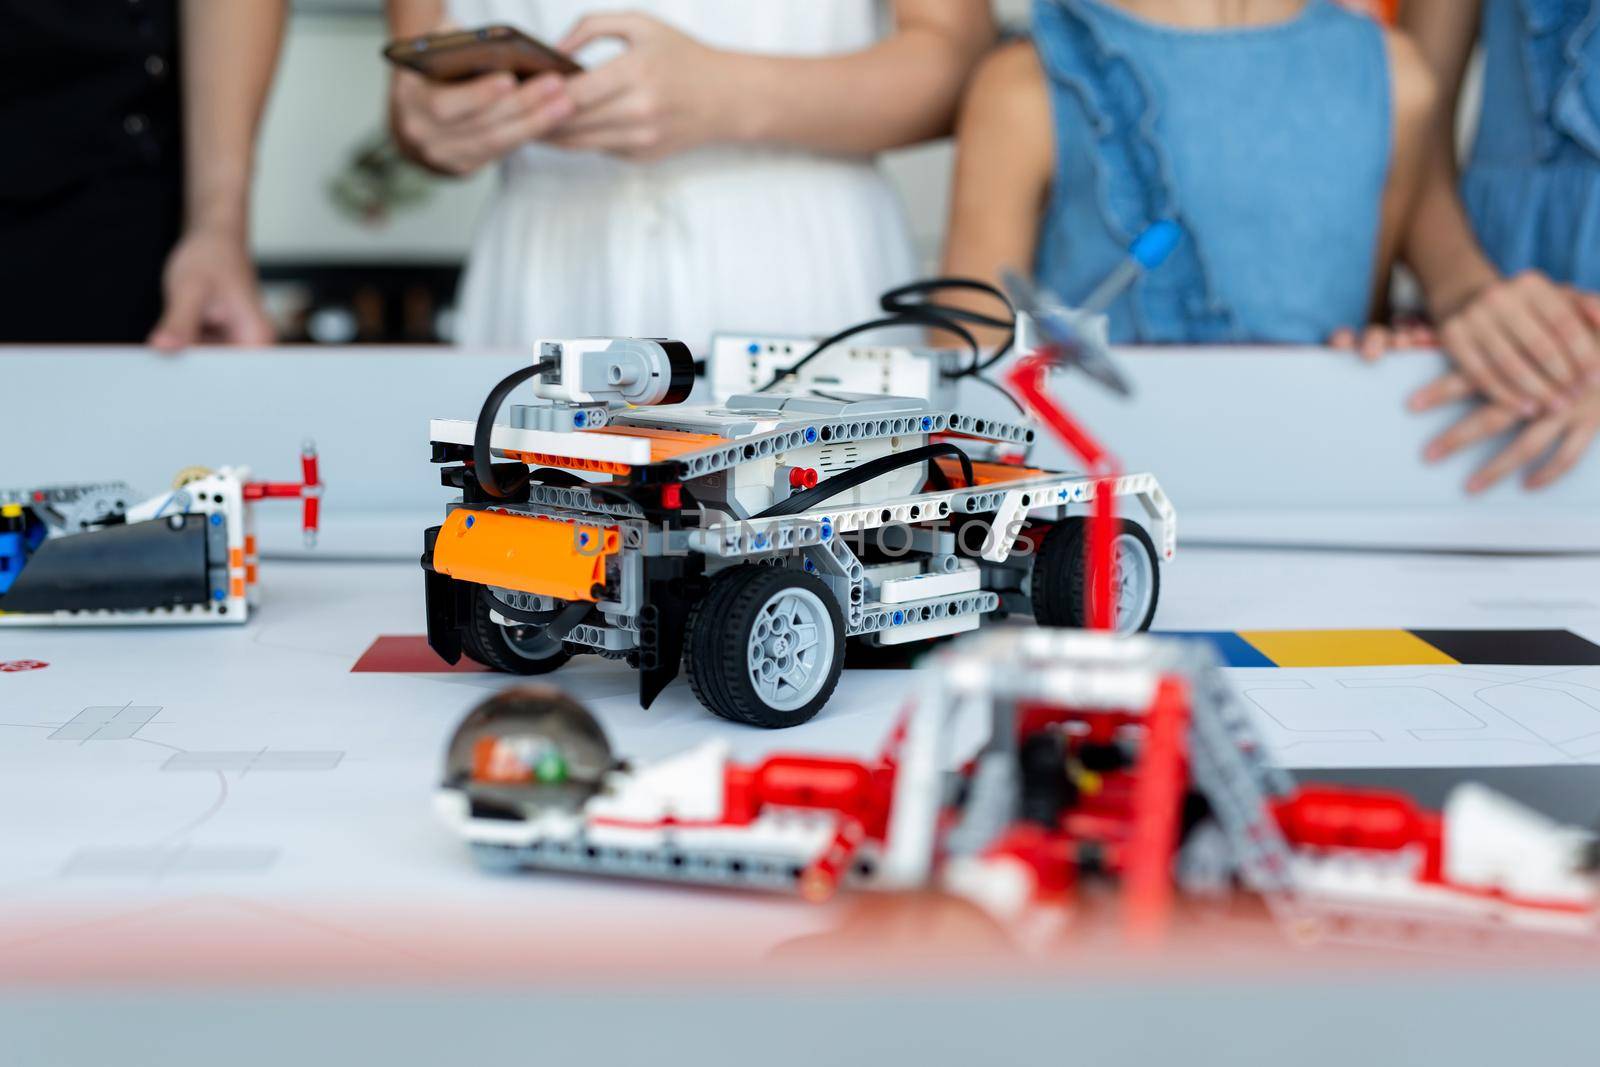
<point>1233,650</point>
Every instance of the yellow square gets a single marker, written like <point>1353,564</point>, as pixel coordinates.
<point>1344,648</point>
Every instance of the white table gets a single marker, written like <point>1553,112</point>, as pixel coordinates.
<point>271,821</point>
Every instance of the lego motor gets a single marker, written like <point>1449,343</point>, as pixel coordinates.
<point>615,371</point>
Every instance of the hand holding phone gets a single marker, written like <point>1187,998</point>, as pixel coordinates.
<point>457,126</point>
<point>466,54</point>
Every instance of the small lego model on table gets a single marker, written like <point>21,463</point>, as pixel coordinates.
<point>99,554</point>
<point>616,519</point>
<point>1121,762</point>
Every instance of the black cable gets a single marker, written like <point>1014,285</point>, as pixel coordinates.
<point>877,468</point>
<point>482,456</point>
<point>1002,390</point>
<point>895,301</point>
<point>548,643</point>
<point>909,317</point>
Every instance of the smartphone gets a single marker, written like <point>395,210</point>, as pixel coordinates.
<point>458,56</point>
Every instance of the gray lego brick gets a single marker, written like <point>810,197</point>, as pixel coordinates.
<point>665,865</point>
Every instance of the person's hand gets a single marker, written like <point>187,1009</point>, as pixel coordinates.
<point>1529,345</point>
<point>211,295</point>
<point>1548,447</point>
<point>461,127</point>
<point>1374,342</point>
<point>665,94</point>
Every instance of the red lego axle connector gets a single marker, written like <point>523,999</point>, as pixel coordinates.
<point>308,490</point>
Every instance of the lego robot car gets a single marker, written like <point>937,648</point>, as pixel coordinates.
<point>102,555</point>
<point>749,541</point>
<point>1123,763</point>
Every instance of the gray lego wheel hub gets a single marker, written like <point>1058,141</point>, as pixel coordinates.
<point>790,649</point>
<point>1132,581</point>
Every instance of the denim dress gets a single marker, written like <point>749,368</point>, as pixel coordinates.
<point>1532,185</point>
<point>1270,146</point>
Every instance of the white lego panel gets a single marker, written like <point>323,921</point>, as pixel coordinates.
<point>929,629</point>
<point>1493,843</point>
<point>743,364</point>
<point>601,447</point>
<point>686,787</point>
<point>927,586</point>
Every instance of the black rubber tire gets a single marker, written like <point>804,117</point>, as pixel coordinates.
<point>484,641</point>
<point>722,621</point>
<point>1060,584</point>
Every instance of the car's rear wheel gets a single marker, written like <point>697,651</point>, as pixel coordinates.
<point>517,648</point>
<point>1059,583</point>
<point>765,646</point>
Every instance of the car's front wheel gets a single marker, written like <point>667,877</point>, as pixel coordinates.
<point>765,646</point>
<point>515,648</point>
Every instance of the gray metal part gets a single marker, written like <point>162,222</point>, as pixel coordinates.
<point>879,617</point>
<point>217,553</point>
<point>521,601</point>
<point>558,417</point>
<point>70,508</point>
<point>554,499</point>
<point>838,567</point>
<point>799,433</point>
<point>605,637</point>
<point>1228,761</point>
<point>670,865</point>
<point>1056,496</point>
<point>991,806</point>
<point>688,418</point>
<point>830,403</point>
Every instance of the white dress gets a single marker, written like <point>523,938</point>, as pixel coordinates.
<point>717,239</point>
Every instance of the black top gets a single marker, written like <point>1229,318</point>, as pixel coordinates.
<point>87,88</point>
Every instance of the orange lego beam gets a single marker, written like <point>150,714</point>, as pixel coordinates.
<point>556,559</point>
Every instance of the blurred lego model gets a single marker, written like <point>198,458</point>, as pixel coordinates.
<point>84,555</point>
<point>748,541</point>
<point>1125,762</point>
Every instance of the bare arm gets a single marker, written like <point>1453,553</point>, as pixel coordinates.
<point>1005,160</point>
<point>901,91</point>
<point>670,92</point>
<point>230,53</point>
<point>413,18</point>
<point>1524,342</point>
<point>1439,244</point>
<point>1415,99</point>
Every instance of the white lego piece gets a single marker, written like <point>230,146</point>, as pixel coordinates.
<point>742,364</point>
<point>599,447</point>
<point>1008,523</point>
<point>1003,886</point>
<point>924,631</point>
<point>1493,843</point>
<point>967,579</point>
<point>907,861</point>
<point>687,788</point>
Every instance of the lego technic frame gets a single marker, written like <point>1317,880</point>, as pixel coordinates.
<point>101,555</point>
<point>731,526</point>
<point>1126,762</point>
